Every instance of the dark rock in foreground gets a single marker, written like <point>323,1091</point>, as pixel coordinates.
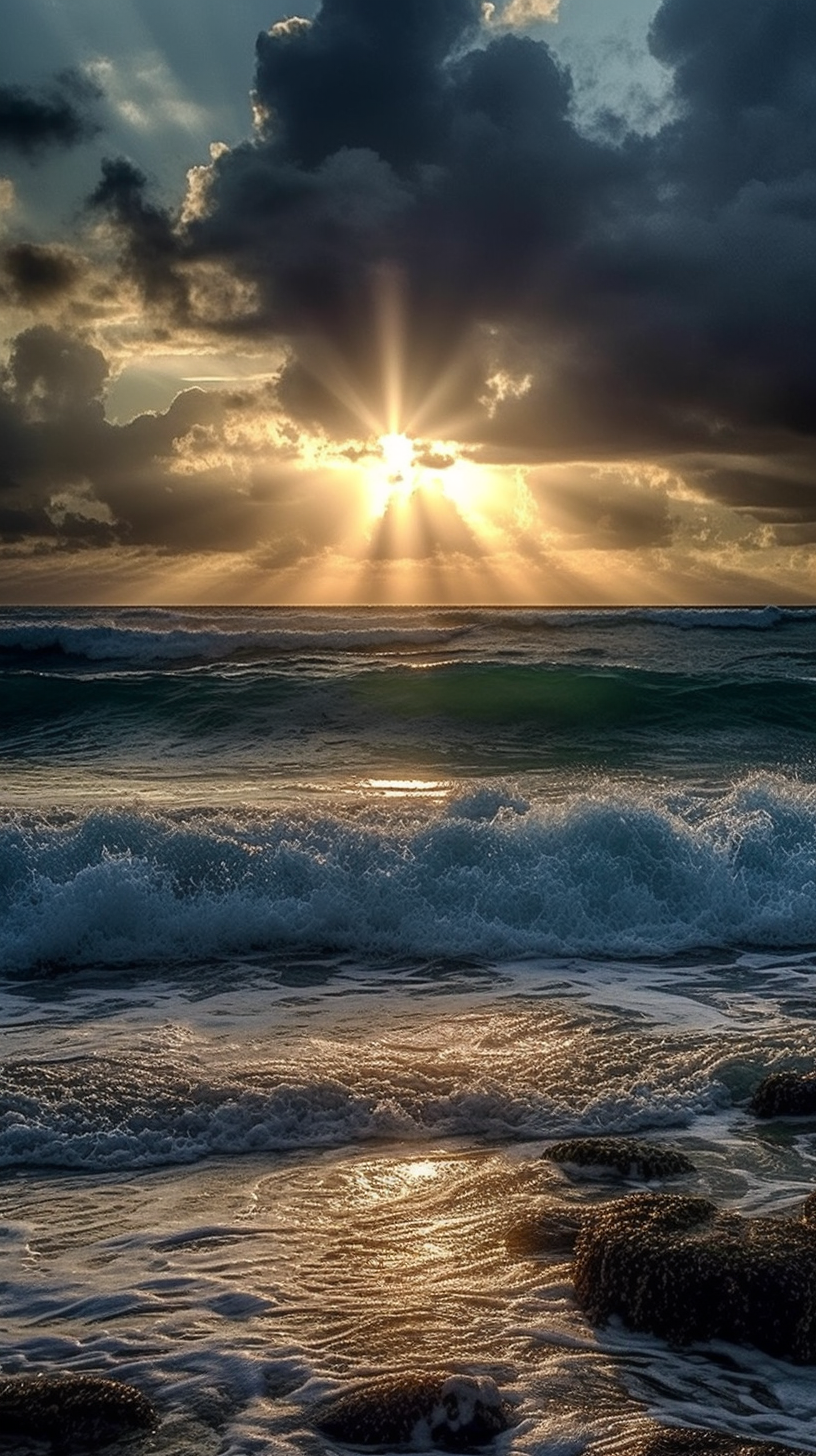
<point>785,1094</point>
<point>426,1408</point>
<point>553,1229</point>
<point>70,1410</point>
<point>675,1266</point>
<point>630,1157</point>
<point>678,1441</point>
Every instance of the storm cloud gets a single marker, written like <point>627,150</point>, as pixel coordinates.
<point>394,138</point>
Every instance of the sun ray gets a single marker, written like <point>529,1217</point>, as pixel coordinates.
<point>392,334</point>
<point>327,366</point>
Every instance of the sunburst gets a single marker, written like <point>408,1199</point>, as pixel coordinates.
<point>394,474</point>
<point>398,453</point>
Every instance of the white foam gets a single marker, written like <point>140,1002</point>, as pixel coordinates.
<point>88,1113</point>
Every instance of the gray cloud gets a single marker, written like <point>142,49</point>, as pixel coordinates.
<point>52,375</point>
<point>58,115</point>
<point>54,438</point>
<point>604,510</point>
<point>151,252</point>
<point>164,482</point>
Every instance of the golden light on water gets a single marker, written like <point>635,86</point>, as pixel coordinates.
<point>420,1171</point>
<point>408,788</point>
<point>384,1180</point>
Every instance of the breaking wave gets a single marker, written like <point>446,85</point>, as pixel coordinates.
<point>613,873</point>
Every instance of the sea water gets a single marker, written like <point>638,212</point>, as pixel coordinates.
<point>317,927</point>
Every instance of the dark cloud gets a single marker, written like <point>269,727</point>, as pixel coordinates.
<point>713,282</point>
<point>59,115</point>
<point>684,317</point>
<point>363,76</point>
<point>779,492</point>
<point>151,251</point>
<point>165,482</point>
<point>745,87</point>
<point>39,274</point>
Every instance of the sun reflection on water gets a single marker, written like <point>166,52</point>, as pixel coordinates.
<point>408,788</point>
<point>382,1181</point>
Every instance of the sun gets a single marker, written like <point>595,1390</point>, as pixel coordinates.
<point>405,472</point>
<point>398,458</point>
<point>394,475</point>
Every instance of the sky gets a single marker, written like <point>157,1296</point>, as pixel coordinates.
<point>399,301</point>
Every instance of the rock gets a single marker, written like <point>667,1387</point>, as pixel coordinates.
<point>679,1441</point>
<point>676,1267</point>
<point>71,1409</point>
<point>552,1229</point>
<point>785,1094</point>
<point>630,1157</point>
<point>423,1408</point>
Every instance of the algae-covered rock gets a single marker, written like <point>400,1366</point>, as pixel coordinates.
<point>785,1094</point>
<point>676,1267</point>
<point>71,1411</point>
<point>629,1157</point>
<point>430,1408</point>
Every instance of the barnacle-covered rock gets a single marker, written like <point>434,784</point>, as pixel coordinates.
<point>416,1409</point>
<point>676,1267</point>
<point>785,1094</point>
<point>71,1411</point>
<point>630,1157</point>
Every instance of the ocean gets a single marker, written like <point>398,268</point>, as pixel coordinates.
<point>317,927</point>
